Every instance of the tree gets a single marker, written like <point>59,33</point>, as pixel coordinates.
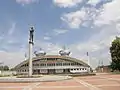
<point>1,68</point>
<point>6,68</point>
<point>115,54</point>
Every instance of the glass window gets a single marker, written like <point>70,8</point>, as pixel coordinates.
<point>72,63</point>
<point>50,64</point>
<point>50,58</point>
<point>42,64</point>
<point>58,64</point>
<point>66,64</point>
<point>63,64</point>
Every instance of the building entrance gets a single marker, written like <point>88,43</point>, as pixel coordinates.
<point>51,71</point>
<point>66,71</point>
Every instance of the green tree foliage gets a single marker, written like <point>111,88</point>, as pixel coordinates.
<point>4,68</point>
<point>1,68</point>
<point>115,54</point>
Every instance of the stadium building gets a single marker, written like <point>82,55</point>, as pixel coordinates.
<point>54,64</point>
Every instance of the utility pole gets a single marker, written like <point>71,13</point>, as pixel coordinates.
<point>30,50</point>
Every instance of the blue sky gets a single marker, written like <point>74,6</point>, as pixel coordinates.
<point>81,25</point>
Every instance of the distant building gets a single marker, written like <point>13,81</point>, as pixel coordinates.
<point>54,64</point>
<point>103,69</point>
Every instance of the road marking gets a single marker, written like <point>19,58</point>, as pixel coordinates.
<point>90,86</point>
<point>30,87</point>
<point>58,86</point>
<point>108,85</point>
<point>13,87</point>
<point>109,78</point>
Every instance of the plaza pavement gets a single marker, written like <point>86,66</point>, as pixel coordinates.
<point>42,78</point>
<point>98,82</point>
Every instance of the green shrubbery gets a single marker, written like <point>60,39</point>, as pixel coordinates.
<point>115,55</point>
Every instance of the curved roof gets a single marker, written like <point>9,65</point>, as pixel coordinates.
<point>54,56</point>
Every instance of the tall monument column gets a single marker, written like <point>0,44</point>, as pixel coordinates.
<point>30,50</point>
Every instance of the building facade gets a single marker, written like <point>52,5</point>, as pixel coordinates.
<point>54,64</point>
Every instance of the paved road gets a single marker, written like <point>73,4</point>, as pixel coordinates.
<point>98,82</point>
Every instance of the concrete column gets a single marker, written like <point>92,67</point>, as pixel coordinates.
<point>30,59</point>
<point>30,51</point>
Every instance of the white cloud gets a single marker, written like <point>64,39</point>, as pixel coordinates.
<point>60,31</point>
<point>97,46</point>
<point>74,19</point>
<point>84,16</point>
<point>118,27</point>
<point>11,58</point>
<point>12,29</point>
<point>99,43</point>
<point>49,47</point>
<point>66,3</point>
<point>93,2</point>
<point>110,13</point>
<point>23,2</point>
<point>46,38</point>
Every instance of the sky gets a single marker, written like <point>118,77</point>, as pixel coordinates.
<point>80,25</point>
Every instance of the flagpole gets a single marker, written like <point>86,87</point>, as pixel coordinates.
<point>88,62</point>
<point>88,57</point>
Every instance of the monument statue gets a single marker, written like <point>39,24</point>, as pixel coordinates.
<point>31,35</point>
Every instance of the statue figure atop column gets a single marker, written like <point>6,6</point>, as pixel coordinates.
<point>31,35</point>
